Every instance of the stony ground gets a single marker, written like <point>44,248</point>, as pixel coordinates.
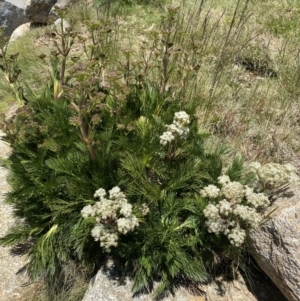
<point>14,285</point>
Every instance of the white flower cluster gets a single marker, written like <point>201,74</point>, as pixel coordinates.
<point>272,175</point>
<point>210,191</point>
<point>236,209</point>
<point>233,191</point>
<point>144,209</point>
<point>113,216</point>
<point>108,237</point>
<point>237,236</point>
<point>177,129</point>
<point>256,199</point>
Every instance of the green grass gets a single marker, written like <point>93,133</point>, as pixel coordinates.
<point>253,113</point>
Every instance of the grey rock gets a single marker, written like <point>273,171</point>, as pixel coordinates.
<point>37,11</point>
<point>63,3</point>
<point>19,32</point>
<point>60,4</point>
<point>61,25</point>
<point>14,13</point>
<point>11,16</point>
<point>235,290</point>
<point>18,3</point>
<point>105,287</point>
<point>276,244</point>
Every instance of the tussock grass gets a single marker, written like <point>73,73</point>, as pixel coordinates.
<point>254,112</point>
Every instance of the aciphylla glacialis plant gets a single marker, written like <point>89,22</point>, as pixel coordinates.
<point>109,161</point>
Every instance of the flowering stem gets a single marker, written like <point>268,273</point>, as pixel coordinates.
<point>84,130</point>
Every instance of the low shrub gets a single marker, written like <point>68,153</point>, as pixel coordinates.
<point>54,175</point>
<point>110,163</point>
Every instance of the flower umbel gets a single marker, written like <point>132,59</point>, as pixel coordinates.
<point>210,191</point>
<point>272,175</point>
<point>177,129</point>
<point>235,212</point>
<point>113,216</point>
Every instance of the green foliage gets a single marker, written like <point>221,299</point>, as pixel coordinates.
<point>98,125</point>
<point>235,170</point>
<point>285,22</point>
<point>52,175</point>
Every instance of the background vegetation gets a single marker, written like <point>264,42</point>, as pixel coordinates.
<point>259,113</point>
<point>233,65</point>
